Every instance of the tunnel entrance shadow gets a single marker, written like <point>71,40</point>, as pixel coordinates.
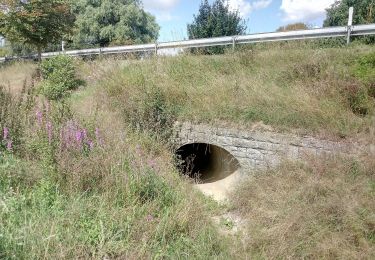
<point>206,163</point>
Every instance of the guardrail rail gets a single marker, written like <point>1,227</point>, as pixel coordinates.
<point>329,32</point>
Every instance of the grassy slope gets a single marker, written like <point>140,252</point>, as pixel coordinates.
<point>299,88</point>
<point>14,77</point>
<point>136,215</point>
<point>321,209</point>
<point>123,200</point>
<point>100,211</point>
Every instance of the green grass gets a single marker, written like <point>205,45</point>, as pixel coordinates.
<point>125,199</point>
<point>121,199</point>
<point>311,90</point>
<point>135,215</point>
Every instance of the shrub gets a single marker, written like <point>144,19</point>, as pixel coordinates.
<point>59,77</point>
<point>145,107</point>
<point>4,52</point>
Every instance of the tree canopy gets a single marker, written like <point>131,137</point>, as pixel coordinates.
<point>364,12</point>
<point>214,20</point>
<point>110,22</point>
<point>293,27</point>
<point>35,22</point>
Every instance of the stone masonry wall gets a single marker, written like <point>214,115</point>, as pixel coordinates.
<point>261,149</point>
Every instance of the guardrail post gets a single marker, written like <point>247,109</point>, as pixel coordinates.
<point>156,48</point>
<point>350,24</point>
<point>234,43</point>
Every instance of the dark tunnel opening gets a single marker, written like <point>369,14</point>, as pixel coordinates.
<point>206,163</point>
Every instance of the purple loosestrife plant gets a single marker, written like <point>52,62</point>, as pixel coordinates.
<point>49,131</point>
<point>9,145</point>
<point>7,142</point>
<point>74,137</point>
<point>79,138</point>
<point>90,145</point>
<point>39,117</point>
<point>5,133</point>
<point>149,218</point>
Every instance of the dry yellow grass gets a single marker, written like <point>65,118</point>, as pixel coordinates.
<point>14,76</point>
<point>321,209</point>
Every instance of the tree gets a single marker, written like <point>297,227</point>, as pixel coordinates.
<point>364,12</point>
<point>293,27</point>
<point>110,22</point>
<point>214,21</point>
<point>35,22</point>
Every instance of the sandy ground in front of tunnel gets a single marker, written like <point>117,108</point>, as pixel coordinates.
<point>230,222</point>
<point>219,190</point>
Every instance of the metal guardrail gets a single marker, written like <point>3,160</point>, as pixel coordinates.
<point>347,31</point>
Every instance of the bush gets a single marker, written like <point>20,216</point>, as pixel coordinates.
<point>59,77</point>
<point>4,52</point>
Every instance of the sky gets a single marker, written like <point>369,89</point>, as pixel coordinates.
<point>260,15</point>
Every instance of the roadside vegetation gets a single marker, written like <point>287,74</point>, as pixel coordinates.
<point>86,169</point>
<point>76,185</point>
<point>318,209</point>
<point>312,90</point>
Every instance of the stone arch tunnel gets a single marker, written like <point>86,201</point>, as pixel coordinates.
<point>213,153</point>
<point>206,162</point>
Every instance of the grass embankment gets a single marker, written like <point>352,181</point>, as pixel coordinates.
<point>321,209</point>
<point>15,77</point>
<point>312,90</point>
<point>81,185</point>
<point>112,190</point>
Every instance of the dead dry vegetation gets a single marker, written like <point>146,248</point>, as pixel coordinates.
<point>125,199</point>
<point>320,209</point>
<point>16,76</point>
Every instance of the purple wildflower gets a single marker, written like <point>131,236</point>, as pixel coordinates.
<point>84,133</point>
<point>49,130</point>
<point>149,218</point>
<point>9,145</point>
<point>90,144</point>
<point>5,133</point>
<point>39,117</point>
<point>79,136</point>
